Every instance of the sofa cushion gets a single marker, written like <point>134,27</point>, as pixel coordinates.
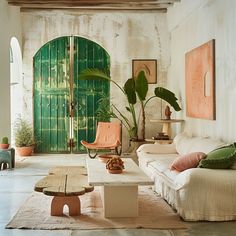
<point>182,142</point>
<point>157,148</point>
<point>221,158</point>
<point>161,167</point>
<point>187,161</point>
<point>146,158</point>
<point>186,144</point>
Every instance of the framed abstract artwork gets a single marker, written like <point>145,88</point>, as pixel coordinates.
<point>149,66</point>
<point>200,81</point>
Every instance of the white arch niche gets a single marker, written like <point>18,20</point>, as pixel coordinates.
<point>15,81</point>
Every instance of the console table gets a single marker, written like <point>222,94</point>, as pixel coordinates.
<point>166,128</point>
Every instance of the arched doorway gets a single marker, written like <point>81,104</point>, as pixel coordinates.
<point>15,81</point>
<point>65,107</point>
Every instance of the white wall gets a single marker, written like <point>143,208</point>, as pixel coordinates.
<point>125,36</point>
<point>10,25</point>
<point>192,23</point>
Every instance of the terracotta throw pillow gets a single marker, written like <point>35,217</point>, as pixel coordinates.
<point>187,161</point>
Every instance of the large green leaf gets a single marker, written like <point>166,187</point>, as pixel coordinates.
<point>141,85</point>
<point>94,74</point>
<point>129,89</point>
<point>167,96</point>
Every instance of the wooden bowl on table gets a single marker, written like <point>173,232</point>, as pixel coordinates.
<point>105,157</point>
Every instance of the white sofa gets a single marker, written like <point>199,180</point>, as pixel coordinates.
<point>196,193</point>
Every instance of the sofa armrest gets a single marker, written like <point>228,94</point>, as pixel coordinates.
<point>157,148</point>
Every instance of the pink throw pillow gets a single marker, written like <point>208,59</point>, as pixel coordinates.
<point>187,161</point>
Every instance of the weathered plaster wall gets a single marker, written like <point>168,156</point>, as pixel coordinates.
<point>192,23</point>
<point>125,36</point>
<point>10,25</point>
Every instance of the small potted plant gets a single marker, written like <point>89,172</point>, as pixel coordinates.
<point>24,137</point>
<point>4,144</point>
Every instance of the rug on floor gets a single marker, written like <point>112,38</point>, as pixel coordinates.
<point>154,213</point>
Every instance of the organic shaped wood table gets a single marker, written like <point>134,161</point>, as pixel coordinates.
<point>65,187</point>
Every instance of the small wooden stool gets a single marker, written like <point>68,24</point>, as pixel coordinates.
<point>5,159</point>
<point>65,189</point>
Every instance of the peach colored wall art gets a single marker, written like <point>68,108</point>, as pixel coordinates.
<point>200,81</point>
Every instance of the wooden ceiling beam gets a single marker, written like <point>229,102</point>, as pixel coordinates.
<point>28,9</point>
<point>95,4</point>
<point>79,1</point>
<point>102,5</point>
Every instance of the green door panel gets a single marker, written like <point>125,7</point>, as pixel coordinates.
<point>52,93</point>
<point>87,93</point>
<point>51,96</point>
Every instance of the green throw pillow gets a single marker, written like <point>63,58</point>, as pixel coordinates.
<point>221,158</point>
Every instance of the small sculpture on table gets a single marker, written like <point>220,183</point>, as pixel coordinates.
<point>115,165</point>
<point>168,112</point>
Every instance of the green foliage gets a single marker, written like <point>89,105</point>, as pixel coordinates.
<point>167,96</point>
<point>24,133</point>
<point>104,112</point>
<point>129,88</point>
<point>135,90</point>
<point>5,140</point>
<point>141,86</point>
<point>94,73</point>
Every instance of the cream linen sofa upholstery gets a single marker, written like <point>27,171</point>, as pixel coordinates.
<point>196,193</point>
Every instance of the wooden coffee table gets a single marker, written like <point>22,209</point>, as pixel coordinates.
<point>65,184</point>
<point>119,191</point>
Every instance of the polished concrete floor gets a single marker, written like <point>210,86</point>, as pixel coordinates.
<point>17,184</point>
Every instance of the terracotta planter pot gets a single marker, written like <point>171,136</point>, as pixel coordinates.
<point>4,146</point>
<point>24,151</point>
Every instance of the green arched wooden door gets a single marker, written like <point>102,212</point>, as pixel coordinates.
<point>65,107</point>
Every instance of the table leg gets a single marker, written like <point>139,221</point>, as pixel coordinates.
<point>58,203</point>
<point>167,129</point>
<point>120,201</point>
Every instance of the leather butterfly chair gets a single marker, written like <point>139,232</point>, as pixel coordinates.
<point>108,136</point>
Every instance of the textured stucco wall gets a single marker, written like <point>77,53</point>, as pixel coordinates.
<point>192,23</point>
<point>125,36</point>
<point>10,25</point>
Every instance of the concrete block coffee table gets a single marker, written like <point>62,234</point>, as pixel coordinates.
<point>119,191</point>
<point>65,184</point>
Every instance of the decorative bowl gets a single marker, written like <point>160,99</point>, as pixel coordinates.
<point>105,157</point>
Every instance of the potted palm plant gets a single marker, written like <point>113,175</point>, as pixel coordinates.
<point>24,137</point>
<point>135,90</point>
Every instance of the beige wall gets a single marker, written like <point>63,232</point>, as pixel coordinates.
<point>10,25</point>
<point>192,23</point>
<point>125,36</point>
<point>130,35</point>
